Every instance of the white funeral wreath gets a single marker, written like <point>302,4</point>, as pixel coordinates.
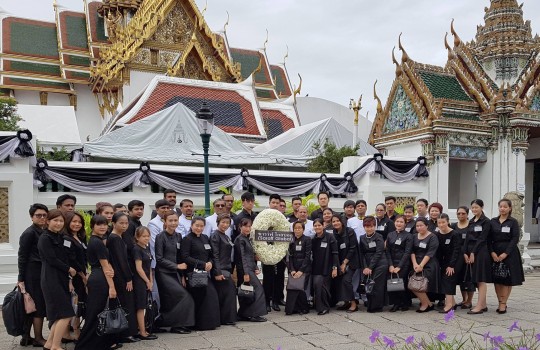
<point>270,254</point>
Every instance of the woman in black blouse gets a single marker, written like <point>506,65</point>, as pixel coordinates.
<point>100,288</point>
<point>327,220</point>
<point>374,264</point>
<point>196,252</point>
<point>434,210</point>
<point>123,276</point>
<point>298,264</point>
<point>503,246</point>
<point>222,247</point>
<point>448,253</point>
<point>56,277</point>
<point>398,254</point>
<point>247,271</point>
<point>408,215</point>
<point>424,261</point>
<point>177,307</point>
<point>463,273</point>
<point>324,266</point>
<point>383,225</point>
<point>477,254</point>
<point>75,245</point>
<point>348,260</point>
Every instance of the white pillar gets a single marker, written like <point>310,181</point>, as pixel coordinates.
<point>488,181</point>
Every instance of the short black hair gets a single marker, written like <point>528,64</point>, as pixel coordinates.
<point>118,206</point>
<point>408,207</point>
<point>226,194</point>
<point>167,191</point>
<point>360,201</point>
<point>282,200</point>
<point>161,203</point>
<point>274,196</point>
<point>390,198</point>
<point>185,201</point>
<point>98,220</point>
<point>247,196</point>
<point>296,199</point>
<point>34,207</point>
<point>65,197</point>
<point>423,200</point>
<point>117,216</point>
<point>135,203</point>
<point>319,194</point>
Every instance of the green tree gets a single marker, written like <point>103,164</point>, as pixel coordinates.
<point>57,154</point>
<point>328,157</point>
<point>8,114</point>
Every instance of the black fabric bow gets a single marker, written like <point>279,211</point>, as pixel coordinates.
<point>245,174</point>
<point>422,169</point>
<point>39,172</point>
<point>322,186</point>
<point>378,157</point>
<point>145,168</point>
<point>351,186</point>
<point>24,149</point>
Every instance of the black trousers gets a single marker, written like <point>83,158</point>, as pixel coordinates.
<point>274,281</point>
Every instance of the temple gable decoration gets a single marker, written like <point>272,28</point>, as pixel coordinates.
<point>402,115</point>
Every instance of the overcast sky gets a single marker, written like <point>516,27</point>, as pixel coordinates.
<point>339,47</point>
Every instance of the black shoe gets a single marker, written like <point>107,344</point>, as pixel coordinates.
<point>324,312</point>
<point>229,323</point>
<point>281,302</point>
<point>130,339</point>
<point>180,330</point>
<point>440,303</point>
<point>304,312</point>
<point>394,308</point>
<point>258,319</point>
<point>27,340</point>
<point>345,306</point>
<point>404,308</point>
<point>67,340</point>
<point>268,308</point>
<point>485,309</point>
<point>470,312</point>
<point>427,309</point>
<point>501,312</point>
<point>275,307</point>
<point>115,346</point>
<point>150,336</point>
<point>158,330</point>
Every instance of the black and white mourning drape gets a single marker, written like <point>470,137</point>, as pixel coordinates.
<point>16,145</point>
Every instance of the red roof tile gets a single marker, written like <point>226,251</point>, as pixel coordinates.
<point>276,121</point>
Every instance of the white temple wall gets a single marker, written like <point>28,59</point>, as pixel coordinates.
<point>88,117</point>
<point>488,182</point>
<point>137,82</point>
<point>461,183</point>
<point>412,150</point>
<point>26,97</point>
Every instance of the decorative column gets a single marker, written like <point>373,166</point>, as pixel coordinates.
<point>355,107</point>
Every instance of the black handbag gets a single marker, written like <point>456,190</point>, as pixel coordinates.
<point>395,284</point>
<point>112,321</point>
<point>151,312</point>
<point>296,283</point>
<point>467,285</point>
<point>246,294</point>
<point>500,272</point>
<point>198,279</point>
<point>369,285</point>
<point>13,313</point>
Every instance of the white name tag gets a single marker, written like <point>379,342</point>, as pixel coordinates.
<point>207,246</point>
<point>84,246</point>
<point>298,248</point>
<point>437,229</point>
<point>178,245</point>
<point>67,243</point>
<point>329,231</point>
<point>478,229</point>
<point>372,245</point>
<point>463,235</point>
<point>398,242</point>
<point>447,241</point>
<point>408,229</point>
<point>506,229</point>
<point>422,245</point>
<point>342,246</point>
<point>380,228</point>
<point>324,244</point>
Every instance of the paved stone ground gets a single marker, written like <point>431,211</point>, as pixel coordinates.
<point>339,330</point>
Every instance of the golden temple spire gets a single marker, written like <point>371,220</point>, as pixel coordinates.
<point>286,55</point>
<point>266,41</point>
<point>451,54</point>
<point>375,97</point>
<point>457,39</point>
<point>404,57</point>
<point>299,89</point>
<point>399,71</point>
<point>226,23</point>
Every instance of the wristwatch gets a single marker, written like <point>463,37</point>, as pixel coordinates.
<point>334,267</point>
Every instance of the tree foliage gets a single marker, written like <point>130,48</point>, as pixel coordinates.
<point>8,114</point>
<point>57,154</point>
<point>328,157</point>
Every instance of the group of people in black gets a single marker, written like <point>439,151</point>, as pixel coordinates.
<point>332,259</point>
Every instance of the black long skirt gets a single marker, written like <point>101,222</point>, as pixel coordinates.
<point>377,299</point>
<point>344,287</point>
<point>177,307</point>
<point>32,283</point>
<point>227,300</point>
<point>127,301</point>
<point>481,268</point>
<point>207,316</point>
<point>79,287</point>
<point>98,293</point>
<point>258,306</point>
<point>321,291</point>
<point>57,298</point>
<point>448,283</point>
<point>403,298</point>
<point>513,261</point>
<point>297,299</point>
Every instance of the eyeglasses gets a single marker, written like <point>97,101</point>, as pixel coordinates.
<point>282,206</point>
<point>229,200</point>
<point>219,205</point>
<point>40,215</point>
<point>380,209</point>
<point>462,213</point>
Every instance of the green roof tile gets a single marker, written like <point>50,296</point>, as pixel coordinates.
<point>33,39</point>
<point>444,86</point>
<point>34,82</point>
<point>76,32</point>
<point>473,117</point>
<point>249,61</point>
<point>77,60</point>
<point>281,87</point>
<point>38,68</point>
<point>264,93</point>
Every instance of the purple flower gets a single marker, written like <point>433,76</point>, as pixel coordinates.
<point>441,337</point>
<point>513,327</point>
<point>449,316</point>
<point>374,336</point>
<point>523,348</point>
<point>497,340</point>
<point>538,337</point>
<point>389,342</point>
<point>487,336</point>
<point>409,340</point>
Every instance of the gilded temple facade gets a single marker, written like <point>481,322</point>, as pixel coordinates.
<point>102,59</point>
<point>477,119</point>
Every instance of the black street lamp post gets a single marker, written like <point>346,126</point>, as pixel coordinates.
<point>205,118</point>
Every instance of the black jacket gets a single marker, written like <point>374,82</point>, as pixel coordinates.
<point>222,248</point>
<point>167,250</point>
<point>299,255</point>
<point>28,249</point>
<point>196,251</point>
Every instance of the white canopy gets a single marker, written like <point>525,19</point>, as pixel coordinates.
<point>51,126</point>
<point>295,147</point>
<point>172,136</point>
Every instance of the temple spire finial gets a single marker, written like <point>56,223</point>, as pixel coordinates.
<point>457,39</point>
<point>399,71</point>
<point>404,57</point>
<point>375,97</point>
<point>451,54</point>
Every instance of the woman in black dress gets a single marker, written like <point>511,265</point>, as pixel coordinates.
<point>324,266</point>
<point>56,277</point>
<point>142,279</point>
<point>177,307</point>
<point>434,210</point>
<point>247,271</point>
<point>348,260</point>
<point>374,264</point>
<point>222,247</point>
<point>29,279</point>
<point>503,245</point>
<point>383,225</point>
<point>463,273</point>
<point>123,276</point>
<point>424,261</point>
<point>197,254</point>
<point>477,254</point>
<point>100,288</point>
<point>408,215</point>
<point>398,255</point>
<point>298,264</point>
<point>75,245</point>
<point>448,253</point>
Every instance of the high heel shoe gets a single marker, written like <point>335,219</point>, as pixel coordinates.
<point>499,311</point>
<point>443,311</point>
<point>427,309</point>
